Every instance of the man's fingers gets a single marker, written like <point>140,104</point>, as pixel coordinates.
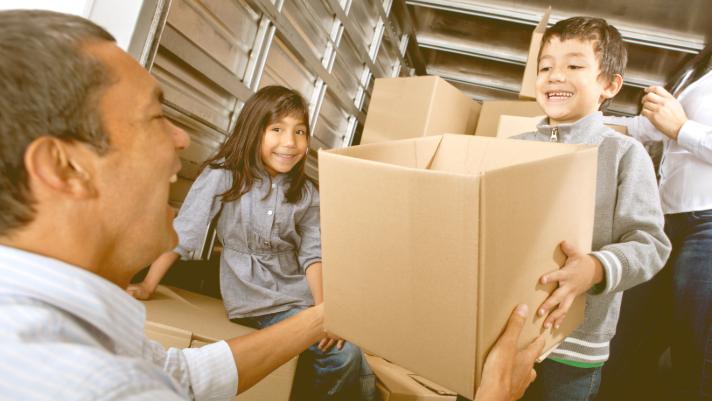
<point>532,376</point>
<point>515,324</point>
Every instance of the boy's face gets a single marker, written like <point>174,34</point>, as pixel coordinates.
<point>569,85</point>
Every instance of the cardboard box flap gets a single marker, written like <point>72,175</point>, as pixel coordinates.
<point>412,153</point>
<point>474,155</point>
<point>528,90</point>
<point>514,236</point>
<point>401,381</point>
<point>435,388</point>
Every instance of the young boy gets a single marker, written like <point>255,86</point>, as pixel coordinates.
<point>581,63</point>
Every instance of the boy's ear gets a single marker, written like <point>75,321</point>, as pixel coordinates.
<point>56,166</point>
<point>612,88</point>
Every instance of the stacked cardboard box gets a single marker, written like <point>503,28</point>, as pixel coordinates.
<point>429,244</point>
<point>417,106</point>
<point>180,318</point>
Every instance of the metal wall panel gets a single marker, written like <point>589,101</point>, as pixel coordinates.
<point>211,55</point>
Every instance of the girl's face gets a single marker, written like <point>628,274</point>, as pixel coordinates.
<point>284,144</point>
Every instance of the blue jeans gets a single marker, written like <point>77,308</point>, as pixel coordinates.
<point>332,375</point>
<point>671,310</point>
<point>558,382</point>
<point>691,263</point>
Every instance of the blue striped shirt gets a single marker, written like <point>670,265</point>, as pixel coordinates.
<point>68,334</point>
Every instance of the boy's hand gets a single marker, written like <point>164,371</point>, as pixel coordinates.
<point>329,341</point>
<point>664,111</point>
<point>578,275</point>
<point>139,291</point>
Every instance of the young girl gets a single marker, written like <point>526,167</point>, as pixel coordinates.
<point>270,266</point>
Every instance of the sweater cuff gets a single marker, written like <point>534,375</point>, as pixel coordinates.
<point>213,373</point>
<point>612,272</point>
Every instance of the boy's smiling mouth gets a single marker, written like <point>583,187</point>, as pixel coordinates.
<point>559,95</point>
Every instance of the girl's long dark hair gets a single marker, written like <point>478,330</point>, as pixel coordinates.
<point>240,154</point>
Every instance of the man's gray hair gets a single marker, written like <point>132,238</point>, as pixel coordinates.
<point>49,86</point>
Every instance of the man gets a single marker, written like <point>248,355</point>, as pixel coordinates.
<point>86,160</point>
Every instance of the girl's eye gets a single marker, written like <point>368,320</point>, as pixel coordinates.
<point>276,129</point>
<point>301,132</point>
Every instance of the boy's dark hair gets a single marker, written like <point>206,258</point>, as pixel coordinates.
<point>240,154</point>
<point>49,86</point>
<point>608,44</point>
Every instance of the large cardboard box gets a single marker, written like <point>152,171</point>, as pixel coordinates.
<point>180,318</point>
<point>528,90</point>
<point>428,244</point>
<point>417,106</point>
<point>488,121</point>
<point>395,383</point>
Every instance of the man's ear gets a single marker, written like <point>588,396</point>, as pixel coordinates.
<point>612,87</point>
<point>59,166</point>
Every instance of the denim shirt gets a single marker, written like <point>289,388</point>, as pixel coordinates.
<point>268,243</point>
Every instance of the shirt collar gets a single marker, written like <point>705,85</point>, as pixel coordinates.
<point>97,301</point>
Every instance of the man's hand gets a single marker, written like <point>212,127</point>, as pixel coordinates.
<point>664,111</point>
<point>508,371</point>
<point>578,275</point>
<point>139,291</point>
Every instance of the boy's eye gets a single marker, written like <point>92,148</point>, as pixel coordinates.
<point>544,69</point>
<point>575,67</point>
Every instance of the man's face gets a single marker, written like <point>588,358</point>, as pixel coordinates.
<point>569,85</point>
<point>133,178</point>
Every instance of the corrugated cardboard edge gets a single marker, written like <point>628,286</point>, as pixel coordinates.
<point>481,260</point>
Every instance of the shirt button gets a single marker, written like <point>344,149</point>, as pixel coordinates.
<point>269,213</point>
<point>274,185</point>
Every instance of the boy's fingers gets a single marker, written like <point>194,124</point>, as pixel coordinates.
<point>555,276</point>
<point>568,248</point>
<point>553,300</point>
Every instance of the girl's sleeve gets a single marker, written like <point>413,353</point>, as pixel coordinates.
<point>310,232</point>
<point>201,204</point>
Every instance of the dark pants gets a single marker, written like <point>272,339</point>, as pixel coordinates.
<point>342,375</point>
<point>673,309</point>
<point>558,382</point>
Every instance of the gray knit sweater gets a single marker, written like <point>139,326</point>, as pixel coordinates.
<point>628,236</point>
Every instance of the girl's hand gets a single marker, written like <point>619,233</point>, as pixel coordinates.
<point>329,341</point>
<point>139,291</point>
<point>578,275</point>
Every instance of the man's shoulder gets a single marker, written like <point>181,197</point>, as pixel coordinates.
<point>70,370</point>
